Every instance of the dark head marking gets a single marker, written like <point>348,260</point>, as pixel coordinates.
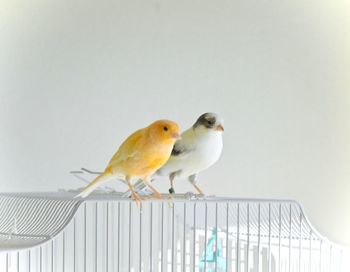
<point>207,120</point>
<point>178,150</point>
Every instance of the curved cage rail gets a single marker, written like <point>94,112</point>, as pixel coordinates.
<point>27,220</point>
<point>55,232</point>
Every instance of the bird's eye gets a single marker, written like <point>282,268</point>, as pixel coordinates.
<point>210,122</point>
<point>165,128</point>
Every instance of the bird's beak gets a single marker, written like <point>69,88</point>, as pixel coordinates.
<point>219,128</point>
<point>176,136</point>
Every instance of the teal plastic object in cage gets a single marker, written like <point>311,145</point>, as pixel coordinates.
<point>213,255</point>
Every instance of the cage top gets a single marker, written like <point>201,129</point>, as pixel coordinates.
<point>119,196</point>
<point>30,219</point>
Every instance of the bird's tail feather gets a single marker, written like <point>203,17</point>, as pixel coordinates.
<point>104,177</point>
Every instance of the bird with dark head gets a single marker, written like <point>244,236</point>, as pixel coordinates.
<point>209,121</point>
<point>199,148</point>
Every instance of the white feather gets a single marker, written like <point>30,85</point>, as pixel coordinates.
<point>202,147</point>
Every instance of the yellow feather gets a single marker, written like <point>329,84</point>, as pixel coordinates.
<point>138,156</point>
<point>141,154</point>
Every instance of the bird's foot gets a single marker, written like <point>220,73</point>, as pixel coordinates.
<point>171,198</point>
<point>201,194</point>
<point>199,191</point>
<point>156,196</point>
<point>152,196</point>
<point>190,195</point>
<point>193,195</point>
<point>137,199</point>
<point>170,205</point>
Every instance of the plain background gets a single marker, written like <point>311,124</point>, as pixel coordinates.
<point>77,77</point>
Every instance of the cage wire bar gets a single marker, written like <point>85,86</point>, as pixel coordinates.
<point>53,232</point>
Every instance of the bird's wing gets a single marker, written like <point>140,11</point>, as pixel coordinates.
<point>185,145</point>
<point>130,148</point>
<point>182,149</point>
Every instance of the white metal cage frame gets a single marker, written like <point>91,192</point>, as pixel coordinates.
<point>53,232</point>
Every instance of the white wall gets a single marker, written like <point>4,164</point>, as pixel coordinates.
<point>77,77</point>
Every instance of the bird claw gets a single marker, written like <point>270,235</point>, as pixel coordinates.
<point>155,196</point>
<point>192,195</point>
<point>137,199</point>
<point>152,196</point>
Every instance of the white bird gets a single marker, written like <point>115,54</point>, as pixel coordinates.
<point>198,148</point>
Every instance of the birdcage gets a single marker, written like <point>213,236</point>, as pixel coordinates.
<point>53,232</point>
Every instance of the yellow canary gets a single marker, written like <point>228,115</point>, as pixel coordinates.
<point>139,156</point>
